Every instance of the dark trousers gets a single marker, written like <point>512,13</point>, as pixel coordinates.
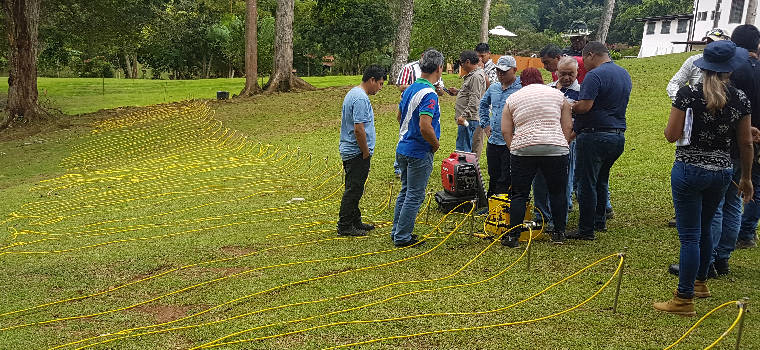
<point>595,153</point>
<point>357,170</point>
<point>498,169</point>
<point>524,169</point>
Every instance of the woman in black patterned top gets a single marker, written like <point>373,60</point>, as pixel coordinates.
<point>704,119</point>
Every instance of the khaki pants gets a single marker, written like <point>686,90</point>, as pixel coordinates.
<point>477,140</point>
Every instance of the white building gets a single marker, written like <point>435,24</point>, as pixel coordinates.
<point>681,33</point>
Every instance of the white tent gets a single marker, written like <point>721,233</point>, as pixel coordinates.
<point>500,31</point>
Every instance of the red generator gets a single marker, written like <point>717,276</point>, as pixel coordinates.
<point>459,174</point>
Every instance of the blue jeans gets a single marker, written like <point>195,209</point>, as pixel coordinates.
<point>725,225</point>
<point>751,213</point>
<point>464,136</point>
<point>415,173</point>
<point>595,153</point>
<point>696,195</point>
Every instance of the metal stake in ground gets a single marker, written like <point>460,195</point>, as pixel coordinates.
<point>742,304</point>
<point>620,280</point>
<point>472,218</point>
<point>427,208</point>
<point>530,225</point>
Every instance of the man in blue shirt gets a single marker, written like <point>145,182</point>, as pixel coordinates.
<point>497,150</point>
<point>357,144</point>
<point>419,117</point>
<point>600,126</point>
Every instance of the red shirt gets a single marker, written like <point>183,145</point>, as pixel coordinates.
<point>581,70</point>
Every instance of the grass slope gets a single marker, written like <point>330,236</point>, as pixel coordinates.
<point>220,199</point>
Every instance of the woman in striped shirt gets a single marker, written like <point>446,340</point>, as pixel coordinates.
<point>537,125</point>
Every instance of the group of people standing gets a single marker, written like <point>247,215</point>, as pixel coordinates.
<point>565,136</point>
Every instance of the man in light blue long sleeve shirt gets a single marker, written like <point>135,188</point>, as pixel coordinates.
<point>497,150</point>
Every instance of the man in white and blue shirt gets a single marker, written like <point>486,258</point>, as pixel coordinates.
<point>497,150</point>
<point>357,144</point>
<point>419,117</point>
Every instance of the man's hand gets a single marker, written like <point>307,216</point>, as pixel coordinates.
<point>453,91</point>
<point>755,134</point>
<point>487,130</point>
<point>745,190</point>
<point>365,155</point>
<point>460,120</point>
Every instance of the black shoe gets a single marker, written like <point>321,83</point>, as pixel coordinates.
<point>673,269</point>
<point>365,227</point>
<point>351,232</point>
<point>558,237</point>
<point>509,241</point>
<point>609,213</point>
<point>746,244</point>
<point>412,242</point>
<point>672,222</point>
<point>576,235</point>
<point>603,228</point>
<point>712,273</point>
<point>721,266</point>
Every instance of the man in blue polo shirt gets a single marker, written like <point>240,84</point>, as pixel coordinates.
<point>600,126</point>
<point>419,117</point>
<point>497,150</point>
<point>357,143</point>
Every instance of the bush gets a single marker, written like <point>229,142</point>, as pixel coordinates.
<point>96,67</point>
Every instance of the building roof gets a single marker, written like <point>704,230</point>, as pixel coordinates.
<point>663,18</point>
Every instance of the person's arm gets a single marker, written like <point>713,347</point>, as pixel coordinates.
<point>507,125</point>
<point>674,129</point>
<point>427,131</point>
<point>746,152</point>
<point>483,110</point>
<point>477,85</point>
<point>582,106</point>
<point>361,139</point>
<point>488,80</point>
<point>566,121</point>
<point>402,87</point>
<point>398,117</point>
<point>680,79</point>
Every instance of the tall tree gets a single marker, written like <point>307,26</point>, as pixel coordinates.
<point>403,34</point>
<point>22,24</point>
<point>751,12</point>
<point>283,78</point>
<point>484,21</point>
<point>604,24</point>
<point>251,51</point>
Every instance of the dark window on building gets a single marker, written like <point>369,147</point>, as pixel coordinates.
<point>737,10</point>
<point>702,16</point>
<point>665,27</point>
<point>683,26</point>
<point>650,27</point>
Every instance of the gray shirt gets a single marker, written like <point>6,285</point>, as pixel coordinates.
<point>468,98</point>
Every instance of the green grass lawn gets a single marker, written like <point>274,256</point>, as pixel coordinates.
<point>85,95</point>
<point>175,227</point>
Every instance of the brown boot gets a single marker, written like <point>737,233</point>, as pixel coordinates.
<point>700,289</point>
<point>680,305</point>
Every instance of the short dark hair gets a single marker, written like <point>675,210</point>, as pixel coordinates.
<point>550,50</point>
<point>596,48</point>
<point>469,55</point>
<point>374,71</point>
<point>746,36</point>
<point>430,61</point>
<point>482,48</point>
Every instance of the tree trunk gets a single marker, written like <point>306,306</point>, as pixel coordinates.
<point>22,23</point>
<point>484,21</point>
<point>404,33</point>
<point>251,51</point>
<point>751,12</point>
<point>283,79</point>
<point>604,25</point>
<point>128,67</point>
<point>135,66</point>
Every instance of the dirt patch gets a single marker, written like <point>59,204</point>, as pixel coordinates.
<point>237,251</point>
<point>152,272</point>
<point>164,313</point>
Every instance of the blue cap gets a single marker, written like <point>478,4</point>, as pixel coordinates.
<point>722,56</point>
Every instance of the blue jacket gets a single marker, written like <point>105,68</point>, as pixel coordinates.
<point>494,100</point>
